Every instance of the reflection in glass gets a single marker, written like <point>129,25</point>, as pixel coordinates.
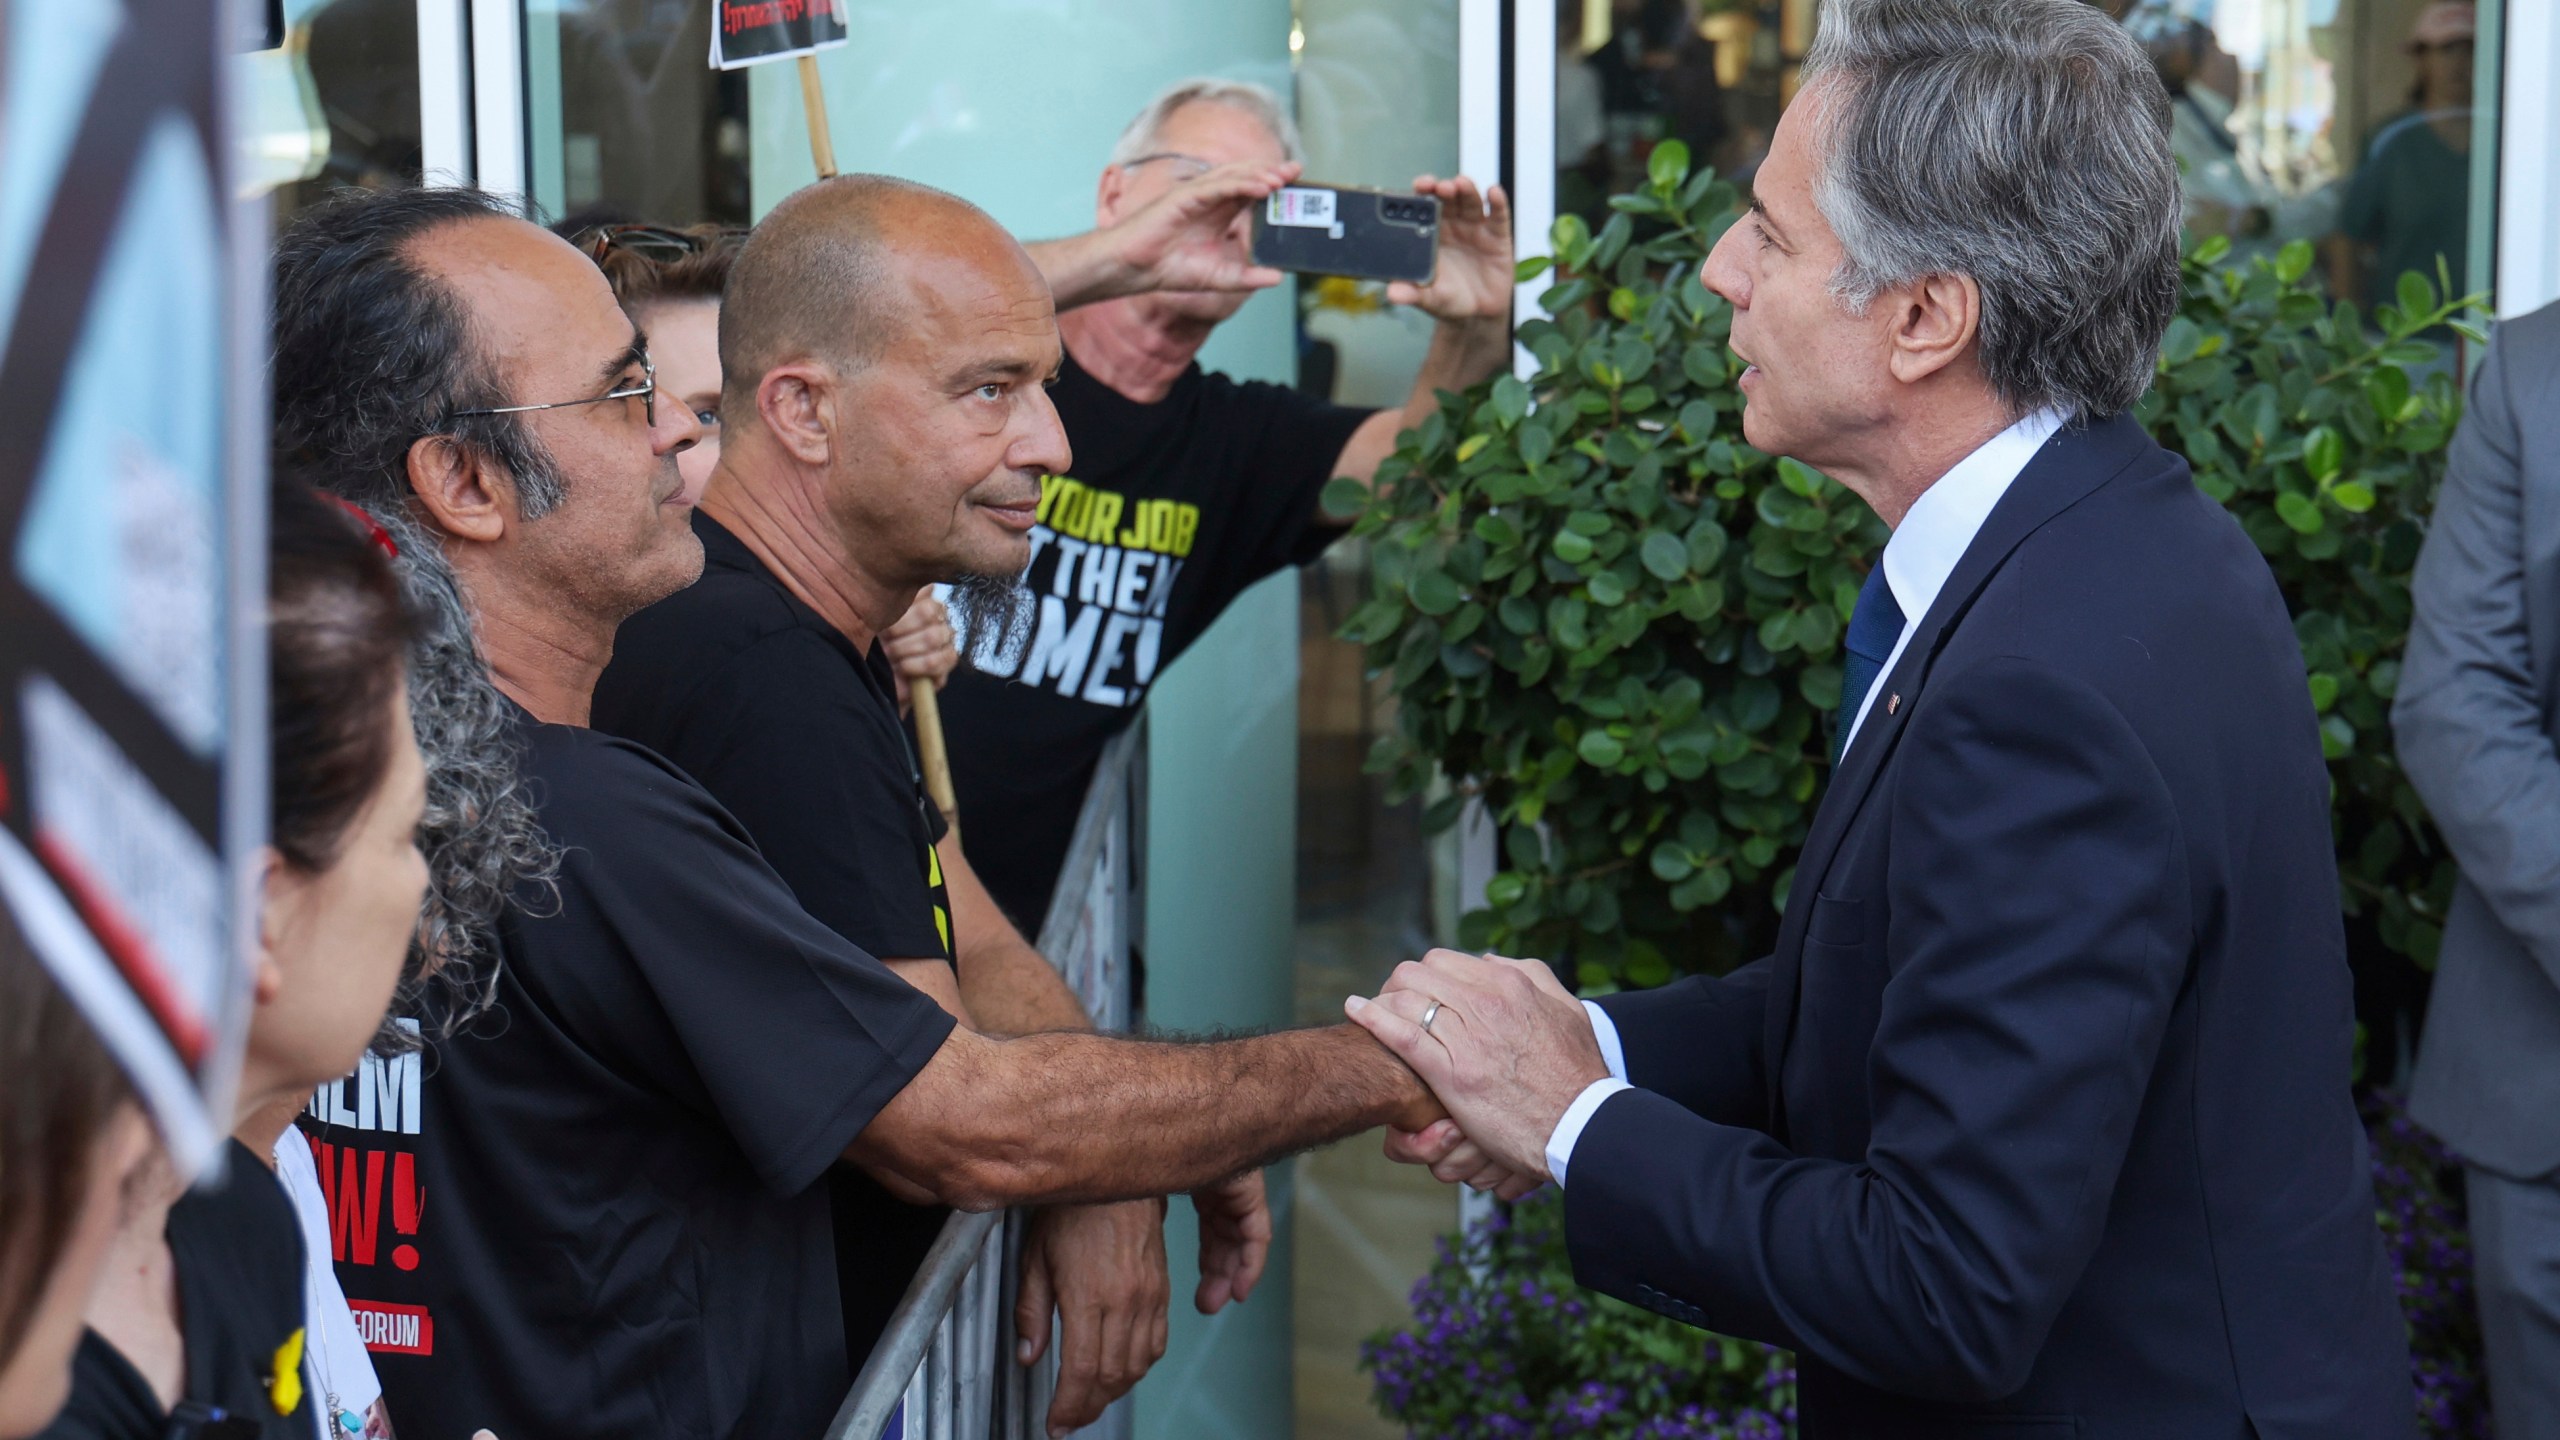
<point>628,121</point>
<point>331,101</point>
<point>2344,124</point>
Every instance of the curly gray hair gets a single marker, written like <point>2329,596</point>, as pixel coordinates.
<point>371,354</point>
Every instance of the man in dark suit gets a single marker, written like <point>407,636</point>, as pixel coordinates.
<point>2036,1123</point>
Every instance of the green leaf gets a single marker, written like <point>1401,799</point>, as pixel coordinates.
<point>2352,497</point>
<point>2323,453</point>
<point>1600,748</point>
<point>1606,589</point>
<point>1668,165</point>
<point>1434,593</point>
<point>1536,445</point>
<point>2416,294</point>
<point>1664,554</point>
<point>1510,402</point>
<point>2324,692</point>
<point>2178,346</point>
<point>1572,548</point>
<point>1531,268</point>
<point>1671,863</point>
<point>2292,262</point>
<point>1344,496</point>
<point>2299,511</point>
<point>1470,447</point>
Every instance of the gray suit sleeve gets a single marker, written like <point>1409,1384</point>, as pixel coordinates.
<point>2467,718</point>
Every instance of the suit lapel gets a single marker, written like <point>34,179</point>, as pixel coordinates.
<point>2076,461</point>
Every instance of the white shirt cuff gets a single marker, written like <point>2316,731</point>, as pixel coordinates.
<point>1576,1115</point>
<point>1613,1052</point>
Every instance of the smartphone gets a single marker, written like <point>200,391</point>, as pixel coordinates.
<point>1338,230</point>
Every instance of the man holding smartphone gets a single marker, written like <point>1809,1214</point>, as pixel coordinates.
<point>1188,486</point>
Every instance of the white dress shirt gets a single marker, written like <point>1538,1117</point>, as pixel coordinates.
<point>1923,552</point>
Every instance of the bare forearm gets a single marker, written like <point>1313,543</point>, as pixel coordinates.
<point>1462,353</point>
<point>1081,269</point>
<point>1085,1118</point>
<point>1013,991</point>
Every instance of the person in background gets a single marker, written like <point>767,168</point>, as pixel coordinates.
<point>2477,718</point>
<point>71,1138</point>
<point>670,282</point>
<point>1188,486</point>
<point>201,1321</point>
<point>679,1052</point>
<point>2409,205</point>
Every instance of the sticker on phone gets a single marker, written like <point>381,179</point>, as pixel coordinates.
<point>1306,209</point>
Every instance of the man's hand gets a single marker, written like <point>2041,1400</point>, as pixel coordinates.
<point>1507,1050</point>
<point>1456,1160</point>
<point>1235,1240</point>
<point>1102,1268</point>
<point>1474,279</point>
<point>921,646</point>
<point>1185,239</point>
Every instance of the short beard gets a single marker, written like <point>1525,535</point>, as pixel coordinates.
<point>992,616</point>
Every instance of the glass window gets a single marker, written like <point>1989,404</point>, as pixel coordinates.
<point>2345,123</point>
<point>626,119</point>
<point>335,101</point>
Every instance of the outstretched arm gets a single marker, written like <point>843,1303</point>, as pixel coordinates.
<point>2048,935</point>
<point>1086,1118</point>
<point>1469,294</point>
<point>1174,243</point>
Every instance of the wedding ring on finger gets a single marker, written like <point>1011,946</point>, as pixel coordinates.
<point>1430,1015</point>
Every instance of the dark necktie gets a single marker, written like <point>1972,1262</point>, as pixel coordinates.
<point>1874,626</point>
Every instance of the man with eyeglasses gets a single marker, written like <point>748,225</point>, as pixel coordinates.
<point>624,1147</point>
<point>1188,486</point>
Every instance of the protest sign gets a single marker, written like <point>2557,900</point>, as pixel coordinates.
<point>750,32</point>
<point>132,538</point>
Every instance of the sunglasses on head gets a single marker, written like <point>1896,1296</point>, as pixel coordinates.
<point>650,242</point>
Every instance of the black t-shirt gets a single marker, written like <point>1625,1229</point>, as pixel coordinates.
<point>236,1250</point>
<point>595,1211</point>
<point>797,734</point>
<point>1174,509</point>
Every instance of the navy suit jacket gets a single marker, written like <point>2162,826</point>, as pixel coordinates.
<point>2036,1124</point>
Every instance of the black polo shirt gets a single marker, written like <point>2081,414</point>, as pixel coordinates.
<point>796,733</point>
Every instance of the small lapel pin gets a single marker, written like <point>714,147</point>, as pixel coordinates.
<point>1892,703</point>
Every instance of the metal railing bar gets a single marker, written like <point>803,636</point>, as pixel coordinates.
<point>912,1328</point>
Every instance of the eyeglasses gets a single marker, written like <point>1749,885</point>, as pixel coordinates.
<point>652,242</point>
<point>646,392</point>
<point>1193,167</point>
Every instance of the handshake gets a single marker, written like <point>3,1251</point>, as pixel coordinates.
<point>1505,1048</point>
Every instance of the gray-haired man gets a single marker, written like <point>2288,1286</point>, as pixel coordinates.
<point>2477,719</point>
<point>2035,1122</point>
<point>1188,486</point>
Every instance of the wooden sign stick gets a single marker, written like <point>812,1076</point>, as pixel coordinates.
<point>930,746</point>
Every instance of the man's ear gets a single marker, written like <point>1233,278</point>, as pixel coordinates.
<point>1106,196</point>
<point>468,496</point>
<point>796,402</point>
<point>1935,320</point>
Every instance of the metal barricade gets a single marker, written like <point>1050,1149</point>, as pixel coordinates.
<point>946,1356</point>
